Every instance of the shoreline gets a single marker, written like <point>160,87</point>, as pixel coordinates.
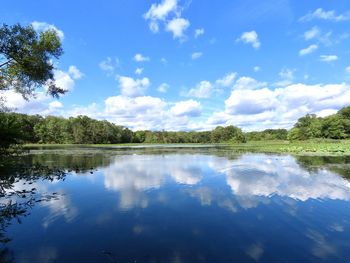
<point>312,147</point>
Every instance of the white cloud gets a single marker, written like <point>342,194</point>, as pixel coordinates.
<point>287,73</point>
<point>140,58</point>
<point>310,49</point>
<point>312,33</point>
<point>55,105</point>
<point>125,106</point>
<point>256,69</point>
<point>286,77</point>
<point>168,13</point>
<point>75,72</point>
<point>164,61</point>
<point>138,71</point>
<point>196,55</point>
<point>248,83</point>
<point>66,80</point>
<point>328,58</point>
<point>227,80</point>
<point>331,15</point>
<point>133,87</point>
<point>186,108</point>
<point>198,32</point>
<point>43,26</point>
<point>41,104</point>
<point>163,88</point>
<point>250,38</point>
<point>263,107</point>
<point>148,113</point>
<point>250,101</point>
<point>347,69</point>
<point>108,65</point>
<point>178,26</point>
<point>160,11</point>
<point>202,90</point>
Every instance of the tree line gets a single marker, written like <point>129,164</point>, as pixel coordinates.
<point>336,126</point>
<point>21,128</point>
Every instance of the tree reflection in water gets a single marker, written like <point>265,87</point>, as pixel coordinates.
<point>18,194</point>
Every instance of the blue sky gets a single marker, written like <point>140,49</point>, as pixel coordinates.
<point>193,65</point>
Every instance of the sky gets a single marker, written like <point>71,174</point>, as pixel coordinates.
<point>192,64</point>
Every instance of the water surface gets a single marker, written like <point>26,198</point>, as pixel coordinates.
<point>174,205</point>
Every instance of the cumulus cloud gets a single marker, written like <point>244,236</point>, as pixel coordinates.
<point>202,90</point>
<point>249,101</point>
<point>196,55</point>
<point>140,58</point>
<point>287,77</point>
<point>108,65</point>
<point>198,32</point>
<point>312,33</point>
<point>347,69</point>
<point>328,58</point>
<point>163,88</point>
<point>177,26</point>
<point>310,49</point>
<point>248,83</point>
<point>227,80</point>
<point>124,106</point>
<point>159,12</point>
<point>149,113</point>
<point>188,108</point>
<point>66,80</point>
<point>261,107</point>
<point>41,104</point>
<point>55,105</point>
<point>138,71</point>
<point>331,15</point>
<point>251,38</point>
<point>256,69</point>
<point>133,87</point>
<point>43,26</point>
<point>168,13</point>
<point>75,72</point>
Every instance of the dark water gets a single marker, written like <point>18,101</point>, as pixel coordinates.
<point>170,205</point>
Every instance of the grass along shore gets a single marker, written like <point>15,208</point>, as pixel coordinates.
<point>311,147</point>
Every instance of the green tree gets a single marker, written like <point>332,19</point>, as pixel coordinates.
<point>307,127</point>
<point>26,59</point>
<point>334,127</point>
<point>226,134</point>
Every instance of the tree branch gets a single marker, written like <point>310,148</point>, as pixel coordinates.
<point>6,63</point>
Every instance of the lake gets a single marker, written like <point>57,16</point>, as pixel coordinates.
<point>176,205</point>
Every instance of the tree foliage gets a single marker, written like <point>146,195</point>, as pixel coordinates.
<point>268,134</point>
<point>336,126</point>
<point>26,59</point>
<point>22,128</point>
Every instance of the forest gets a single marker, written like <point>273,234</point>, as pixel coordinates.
<point>19,128</point>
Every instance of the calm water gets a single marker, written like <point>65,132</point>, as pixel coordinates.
<point>174,205</point>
